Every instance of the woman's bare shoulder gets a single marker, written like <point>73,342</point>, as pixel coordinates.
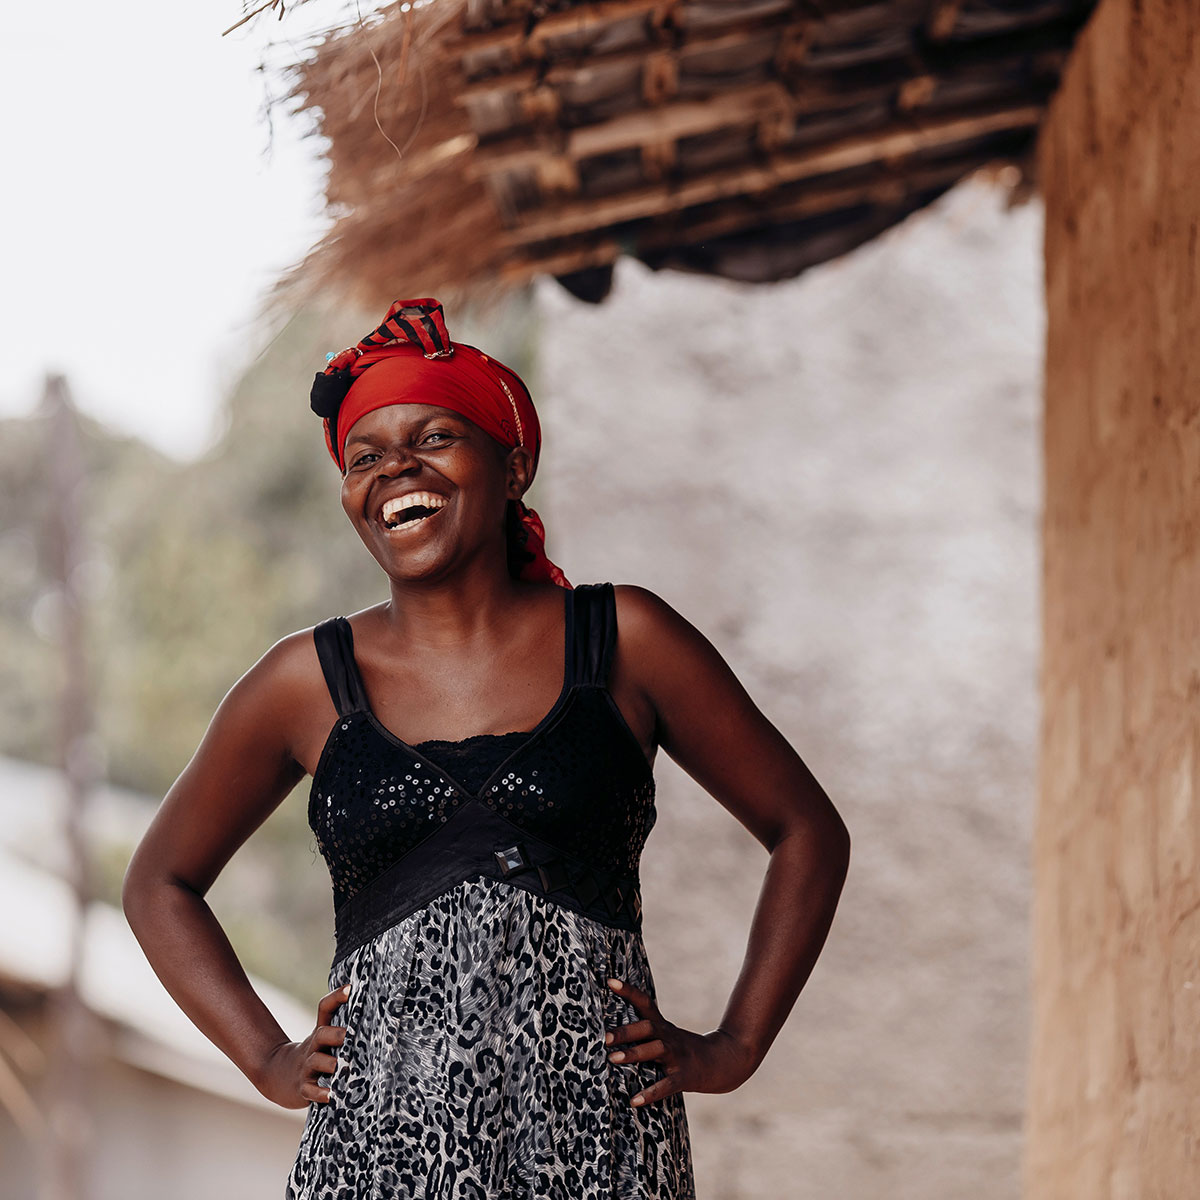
<point>655,641</point>
<point>668,656</point>
<point>644,617</point>
<point>293,654</point>
<point>288,672</point>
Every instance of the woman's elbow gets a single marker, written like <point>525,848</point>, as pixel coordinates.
<point>840,840</point>
<point>140,887</point>
<point>134,888</point>
<point>833,837</point>
<point>823,833</point>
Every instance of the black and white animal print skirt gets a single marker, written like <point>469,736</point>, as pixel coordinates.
<point>474,1066</point>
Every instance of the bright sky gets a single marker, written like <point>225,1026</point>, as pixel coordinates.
<point>149,205</point>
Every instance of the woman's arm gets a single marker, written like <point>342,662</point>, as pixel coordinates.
<point>709,725</point>
<point>242,770</point>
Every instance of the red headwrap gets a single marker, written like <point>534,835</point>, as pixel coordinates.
<point>413,361</point>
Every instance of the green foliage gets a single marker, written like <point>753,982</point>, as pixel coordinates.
<point>195,570</point>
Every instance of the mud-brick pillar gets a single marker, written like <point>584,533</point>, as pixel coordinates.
<point>1114,1097</point>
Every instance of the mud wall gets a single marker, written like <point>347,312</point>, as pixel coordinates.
<point>1115,1085</point>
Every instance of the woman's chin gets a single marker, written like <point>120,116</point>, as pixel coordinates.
<point>412,547</point>
<point>423,562</point>
<point>430,560</point>
<point>429,550</point>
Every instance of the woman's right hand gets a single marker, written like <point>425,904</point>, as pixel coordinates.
<point>289,1077</point>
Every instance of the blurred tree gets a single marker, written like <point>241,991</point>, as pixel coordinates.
<point>197,568</point>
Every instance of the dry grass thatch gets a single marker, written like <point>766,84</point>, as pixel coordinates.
<point>403,209</point>
<point>475,143</point>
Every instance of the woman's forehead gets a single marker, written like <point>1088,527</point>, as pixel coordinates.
<point>402,416</point>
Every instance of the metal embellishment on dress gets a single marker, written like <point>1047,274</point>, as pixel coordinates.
<point>512,859</point>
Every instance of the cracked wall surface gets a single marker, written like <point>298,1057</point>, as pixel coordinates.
<point>1114,1102</point>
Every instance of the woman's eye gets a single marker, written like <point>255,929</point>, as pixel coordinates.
<point>437,437</point>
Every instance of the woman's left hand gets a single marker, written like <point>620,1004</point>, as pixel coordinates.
<point>691,1062</point>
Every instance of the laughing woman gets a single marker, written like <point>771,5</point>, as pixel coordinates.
<point>481,747</point>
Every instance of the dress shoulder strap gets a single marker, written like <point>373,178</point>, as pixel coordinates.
<point>335,649</point>
<point>595,633</point>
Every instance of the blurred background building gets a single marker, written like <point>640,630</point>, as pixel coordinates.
<point>161,1094</point>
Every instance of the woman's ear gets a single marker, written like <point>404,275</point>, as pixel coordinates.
<point>519,466</point>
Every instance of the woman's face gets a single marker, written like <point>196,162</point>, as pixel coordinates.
<point>459,478</point>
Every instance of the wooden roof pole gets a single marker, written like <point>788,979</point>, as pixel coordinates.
<point>579,19</point>
<point>669,121</point>
<point>769,102</point>
<point>913,136</point>
<point>889,189</point>
<point>943,19</point>
<point>796,37</point>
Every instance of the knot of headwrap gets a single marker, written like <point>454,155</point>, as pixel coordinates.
<point>410,359</point>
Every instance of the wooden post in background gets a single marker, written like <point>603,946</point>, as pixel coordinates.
<point>68,1101</point>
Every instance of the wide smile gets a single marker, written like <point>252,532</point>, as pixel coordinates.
<point>402,515</point>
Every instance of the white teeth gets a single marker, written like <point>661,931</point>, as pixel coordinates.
<point>406,526</point>
<point>411,500</point>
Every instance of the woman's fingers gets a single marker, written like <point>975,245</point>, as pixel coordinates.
<point>314,1092</point>
<point>329,1035</point>
<point>318,1063</point>
<point>635,995</point>
<point>655,1040</point>
<point>658,1090</point>
<point>328,1003</point>
<point>325,1034</point>
<point>641,1052</point>
<point>322,1064</point>
<point>636,1031</point>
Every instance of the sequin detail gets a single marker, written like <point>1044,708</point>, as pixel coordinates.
<point>581,784</point>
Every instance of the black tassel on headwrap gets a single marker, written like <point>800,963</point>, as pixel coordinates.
<point>328,392</point>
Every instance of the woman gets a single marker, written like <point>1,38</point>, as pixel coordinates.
<point>481,746</point>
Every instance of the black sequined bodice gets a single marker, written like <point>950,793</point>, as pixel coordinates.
<point>578,784</point>
<point>471,760</point>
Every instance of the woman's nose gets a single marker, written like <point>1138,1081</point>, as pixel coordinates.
<point>396,459</point>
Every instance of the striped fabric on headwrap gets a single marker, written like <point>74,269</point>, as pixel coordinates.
<point>410,359</point>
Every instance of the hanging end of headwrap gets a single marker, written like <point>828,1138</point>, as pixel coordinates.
<point>538,568</point>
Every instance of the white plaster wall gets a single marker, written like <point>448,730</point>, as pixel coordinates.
<point>838,480</point>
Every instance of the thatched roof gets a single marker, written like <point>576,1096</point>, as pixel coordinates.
<point>478,142</point>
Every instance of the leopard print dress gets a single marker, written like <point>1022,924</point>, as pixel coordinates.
<point>484,891</point>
